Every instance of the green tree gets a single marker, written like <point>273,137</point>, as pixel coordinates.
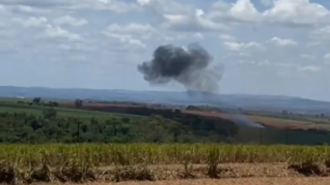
<point>78,103</point>
<point>49,113</point>
<point>36,100</point>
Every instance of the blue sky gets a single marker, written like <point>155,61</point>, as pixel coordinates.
<point>267,47</point>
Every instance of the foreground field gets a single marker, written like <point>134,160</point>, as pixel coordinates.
<point>156,154</point>
<point>246,181</point>
<point>151,162</point>
<point>159,174</point>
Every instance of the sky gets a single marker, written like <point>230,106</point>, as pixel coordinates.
<point>278,47</point>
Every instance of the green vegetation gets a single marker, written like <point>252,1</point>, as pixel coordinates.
<point>37,122</point>
<point>37,109</point>
<point>141,162</point>
<point>153,154</point>
<point>37,145</point>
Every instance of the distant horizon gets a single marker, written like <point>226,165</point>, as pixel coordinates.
<point>157,90</point>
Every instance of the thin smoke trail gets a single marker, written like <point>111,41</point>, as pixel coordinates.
<point>234,112</point>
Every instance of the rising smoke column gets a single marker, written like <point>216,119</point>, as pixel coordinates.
<point>189,66</point>
<point>192,68</point>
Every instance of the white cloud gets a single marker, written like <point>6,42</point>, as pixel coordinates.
<point>231,44</point>
<point>126,39</point>
<point>192,22</point>
<point>225,37</point>
<point>243,47</point>
<point>321,34</point>
<point>307,56</point>
<point>116,6</point>
<point>37,22</point>
<point>145,2</point>
<point>198,35</point>
<point>310,68</point>
<point>130,28</point>
<point>141,31</point>
<point>60,33</point>
<point>326,58</point>
<point>166,7</point>
<point>297,13</point>
<point>69,20</point>
<point>283,42</point>
<point>47,29</point>
<point>244,10</point>
<point>285,13</point>
<point>278,47</point>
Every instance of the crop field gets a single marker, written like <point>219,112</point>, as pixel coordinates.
<point>234,181</point>
<point>138,163</point>
<point>155,154</point>
<point>152,162</point>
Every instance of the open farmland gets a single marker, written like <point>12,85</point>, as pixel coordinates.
<point>39,160</point>
<point>196,125</point>
<point>44,122</point>
<point>152,162</point>
<point>280,123</point>
<point>286,130</point>
<point>99,108</point>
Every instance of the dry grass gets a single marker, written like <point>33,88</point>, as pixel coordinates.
<point>246,181</point>
<point>145,174</point>
<point>150,162</point>
<point>97,155</point>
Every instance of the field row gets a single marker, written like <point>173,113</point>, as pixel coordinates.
<point>130,154</point>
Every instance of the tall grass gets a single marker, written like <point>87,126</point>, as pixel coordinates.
<point>153,154</point>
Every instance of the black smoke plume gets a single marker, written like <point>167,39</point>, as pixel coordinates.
<point>190,67</point>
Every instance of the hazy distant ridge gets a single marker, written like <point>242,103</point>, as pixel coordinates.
<point>238,100</point>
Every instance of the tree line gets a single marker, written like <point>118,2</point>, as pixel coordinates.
<point>49,127</point>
